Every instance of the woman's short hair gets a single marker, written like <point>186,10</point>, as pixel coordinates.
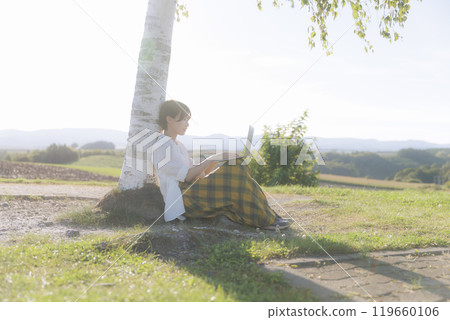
<point>172,108</point>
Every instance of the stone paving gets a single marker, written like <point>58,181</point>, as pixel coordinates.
<point>411,275</point>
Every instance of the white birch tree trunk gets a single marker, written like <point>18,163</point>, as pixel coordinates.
<point>154,58</point>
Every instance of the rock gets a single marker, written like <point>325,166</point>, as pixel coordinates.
<point>5,204</point>
<point>72,233</point>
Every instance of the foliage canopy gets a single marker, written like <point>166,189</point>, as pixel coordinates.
<point>393,15</point>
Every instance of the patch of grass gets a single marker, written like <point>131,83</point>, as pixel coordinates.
<point>83,217</point>
<point>375,183</point>
<point>278,247</point>
<point>113,172</point>
<point>88,217</point>
<point>37,268</point>
<point>232,266</point>
<point>416,283</point>
<point>369,220</point>
<point>104,161</point>
<point>7,197</point>
<point>108,165</point>
<point>53,181</point>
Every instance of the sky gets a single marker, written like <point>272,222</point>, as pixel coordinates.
<point>232,64</point>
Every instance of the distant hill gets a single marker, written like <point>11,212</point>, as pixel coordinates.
<point>40,139</point>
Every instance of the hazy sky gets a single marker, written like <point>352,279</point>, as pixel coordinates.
<point>230,63</point>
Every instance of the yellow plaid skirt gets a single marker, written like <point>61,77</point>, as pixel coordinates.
<point>229,191</point>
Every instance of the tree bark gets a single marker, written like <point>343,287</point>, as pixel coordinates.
<point>151,82</point>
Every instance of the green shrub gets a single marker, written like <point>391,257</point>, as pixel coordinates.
<point>419,156</point>
<point>60,154</point>
<point>103,145</point>
<point>20,156</point>
<point>275,173</point>
<point>424,173</point>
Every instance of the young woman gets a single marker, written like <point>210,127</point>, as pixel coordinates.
<point>229,191</point>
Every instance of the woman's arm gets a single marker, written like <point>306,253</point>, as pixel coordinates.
<point>207,166</point>
<point>197,171</point>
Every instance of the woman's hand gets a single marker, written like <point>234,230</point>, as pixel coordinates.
<point>201,175</point>
<point>207,165</point>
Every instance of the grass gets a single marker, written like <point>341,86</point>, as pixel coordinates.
<point>36,268</point>
<point>113,172</point>
<point>84,217</point>
<point>100,164</point>
<point>373,183</point>
<point>106,161</point>
<point>341,220</point>
<point>353,220</point>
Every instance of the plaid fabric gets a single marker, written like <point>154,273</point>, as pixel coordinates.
<point>229,191</point>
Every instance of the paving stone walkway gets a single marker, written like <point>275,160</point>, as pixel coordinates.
<point>410,275</point>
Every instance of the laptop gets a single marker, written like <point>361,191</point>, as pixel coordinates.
<point>247,147</point>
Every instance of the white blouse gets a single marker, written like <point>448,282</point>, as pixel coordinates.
<point>171,162</point>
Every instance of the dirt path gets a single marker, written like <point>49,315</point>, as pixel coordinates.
<point>72,191</point>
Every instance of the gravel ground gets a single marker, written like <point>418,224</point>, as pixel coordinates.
<point>22,215</point>
<point>32,208</point>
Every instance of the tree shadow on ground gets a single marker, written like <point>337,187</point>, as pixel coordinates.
<point>219,251</point>
<point>214,249</point>
<point>402,275</point>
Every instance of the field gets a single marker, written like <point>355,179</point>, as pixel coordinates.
<point>332,179</point>
<point>105,264</point>
<point>23,172</point>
